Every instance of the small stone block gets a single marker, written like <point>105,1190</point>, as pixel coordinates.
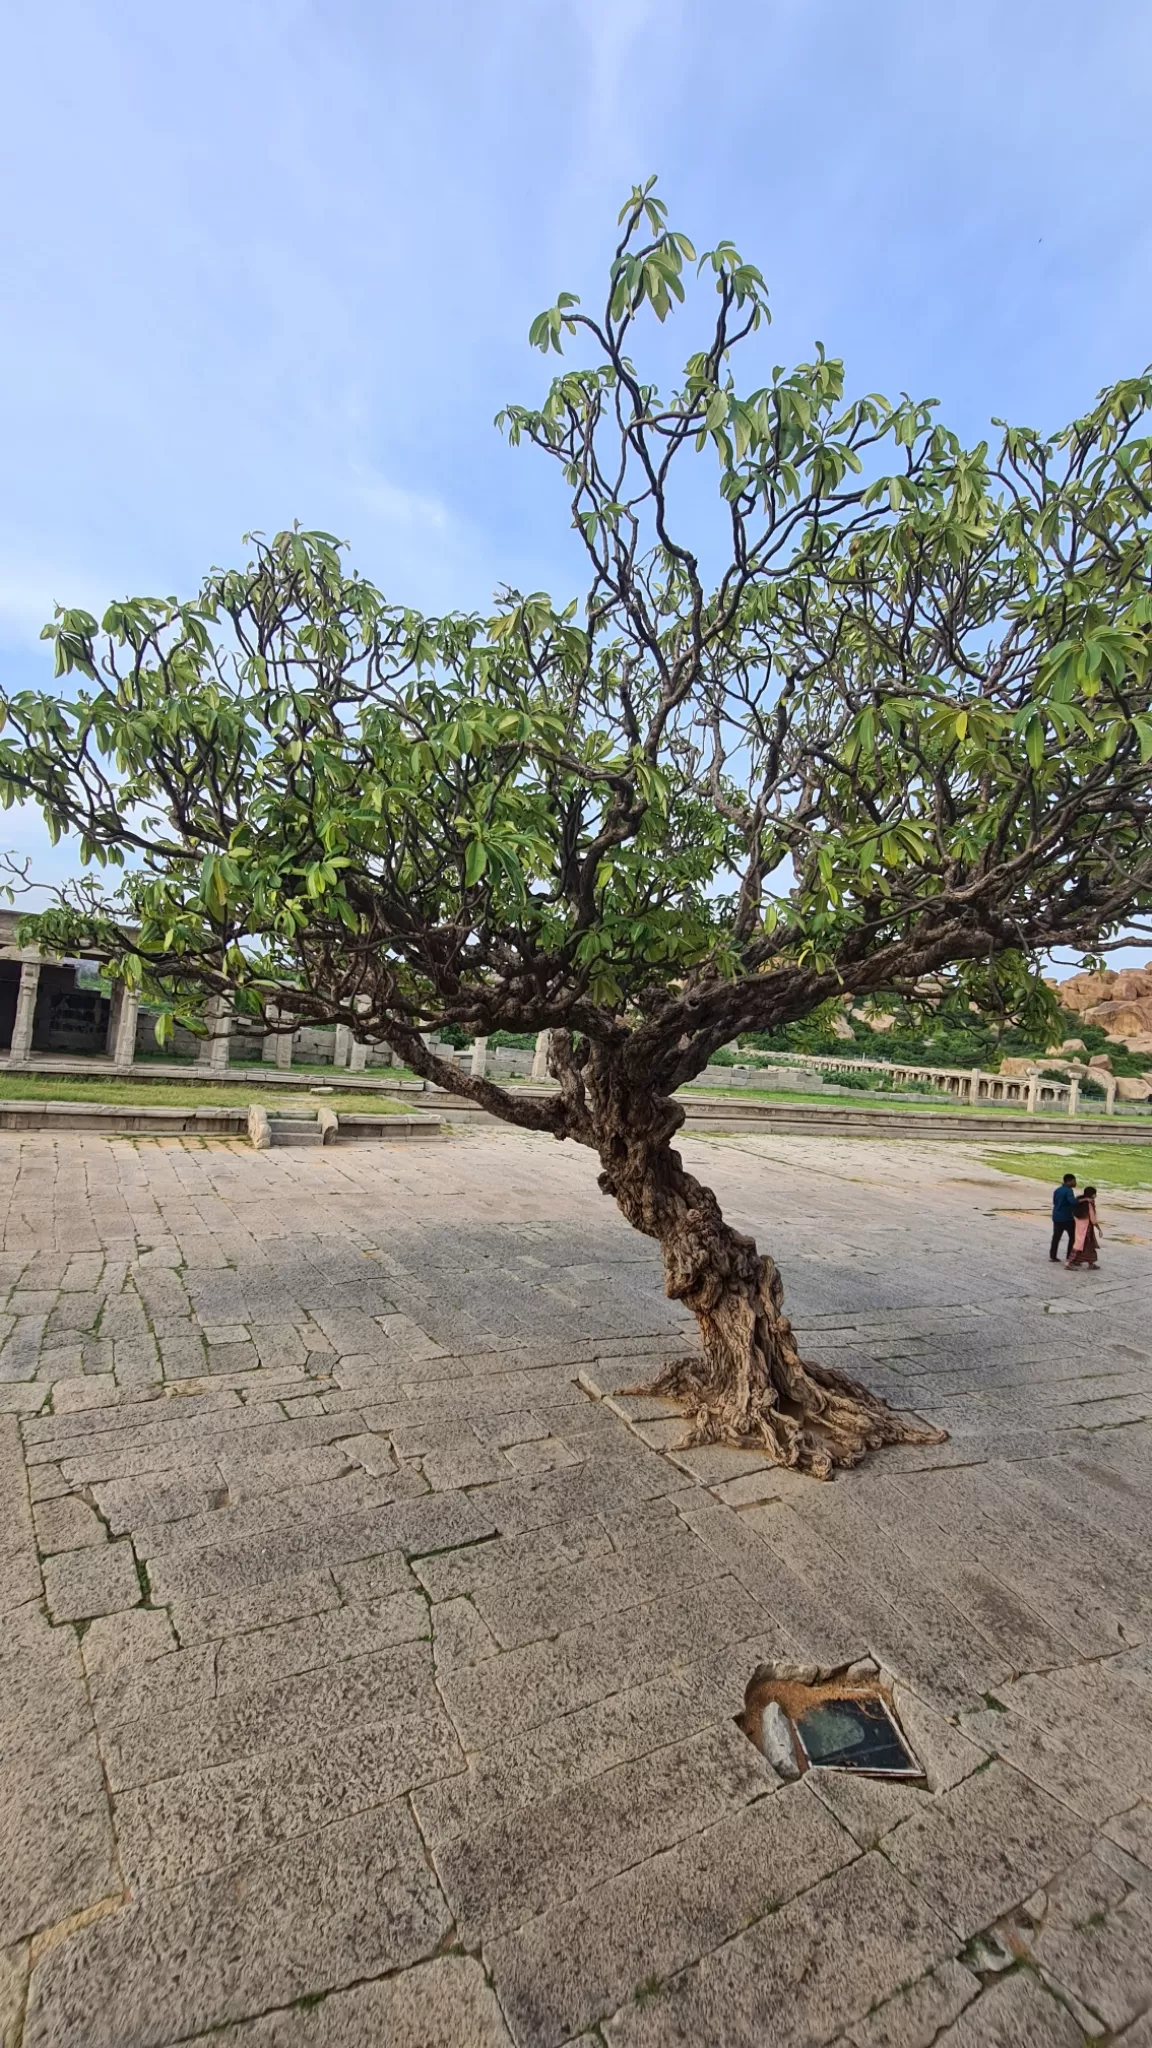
<point>83,1583</point>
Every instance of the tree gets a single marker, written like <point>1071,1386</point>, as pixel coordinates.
<point>878,710</point>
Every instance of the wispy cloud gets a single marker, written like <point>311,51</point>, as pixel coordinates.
<point>612,32</point>
<point>392,506</point>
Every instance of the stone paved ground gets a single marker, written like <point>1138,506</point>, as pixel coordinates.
<point>365,1681</point>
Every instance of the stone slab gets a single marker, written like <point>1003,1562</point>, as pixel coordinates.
<point>1094,1942</point>
<point>488,1701</point>
<point>185,1825</point>
<point>443,2004</point>
<point>315,1641</point>
<point>799,1974</point>
<point>1016,2013</point>
<point>269,1717</point>
<point>498,1876</point>
<point>985,1846</point>
<point>432,1522</point>
<point>578,1961</point>
<point>351,1902</point>
<point>59,1853</point>
<point>916,2016</point>
<point>82,1583</point>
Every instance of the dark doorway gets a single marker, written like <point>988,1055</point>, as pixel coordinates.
<point>9,989</point>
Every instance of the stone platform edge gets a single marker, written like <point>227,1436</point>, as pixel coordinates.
<point>158,1120</point>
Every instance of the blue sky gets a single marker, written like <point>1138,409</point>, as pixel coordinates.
<point>275,259</point>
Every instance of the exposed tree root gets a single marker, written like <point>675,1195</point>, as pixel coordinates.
<point>825,1419</point>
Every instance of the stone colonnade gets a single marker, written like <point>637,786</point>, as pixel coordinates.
<point>348,1051</point>
<point>976,1086</point>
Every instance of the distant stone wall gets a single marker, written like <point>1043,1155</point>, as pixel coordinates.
<point>760,1077</point>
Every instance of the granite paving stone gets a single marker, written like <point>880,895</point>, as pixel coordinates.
<point>305,1643</point>
<point>59,1849</point>
<point>1094,1942</point>
<point>13,1992</point>
<point>353,1901</point>
<point>916,2014</point>
<point>428,1523</point>
<point>446,2001</point>
<point>576,1962</point>
<point>67,1524</point>
<point>497,1877</point>
<point>1132,1831</point>
<point>218,1730</point>
<point>799,1974</point>
<point>418,1721</point>
<point>984,1846</point>
<point>533,1764</point>
<point>82,1583</point>
<point>533,1683</point>
<point>1016,2013</point>
<point>182,1826</point>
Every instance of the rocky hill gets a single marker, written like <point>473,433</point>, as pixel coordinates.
<point>1120,1002</point>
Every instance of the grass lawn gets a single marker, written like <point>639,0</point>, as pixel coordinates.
<point>177,1095</point>
<point>1117,1166</point>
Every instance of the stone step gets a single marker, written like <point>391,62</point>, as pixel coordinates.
<point>294,1130</point>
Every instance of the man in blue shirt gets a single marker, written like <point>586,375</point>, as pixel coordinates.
<point>1063,1213</point>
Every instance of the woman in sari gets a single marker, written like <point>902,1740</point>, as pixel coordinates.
<point>1086,1232</point>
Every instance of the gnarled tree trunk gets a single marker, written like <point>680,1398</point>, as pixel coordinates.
<point>750,1387</point>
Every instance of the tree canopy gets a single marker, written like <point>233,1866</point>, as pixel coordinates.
<point>889,711</point>
<point>878,707</point>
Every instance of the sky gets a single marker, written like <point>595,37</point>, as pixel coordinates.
<point>274,259</point>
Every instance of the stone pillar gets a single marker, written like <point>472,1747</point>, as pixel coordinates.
<point>122,1027</point>
<point>540,1056</point>
<point>974,1080</point>
<point>358,1056</point>
<point>1073,1094</point>
<point>479,1063</point>
<point>25,1012</point>
<point>1033,1089</point>
<point>218,1018</point>
<point>276,1050</point>
<point>1109,1094</point>
<point>342,1047</point>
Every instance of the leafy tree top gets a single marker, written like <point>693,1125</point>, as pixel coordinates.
<point>888,710</point>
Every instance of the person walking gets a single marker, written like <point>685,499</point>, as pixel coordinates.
<point>1086,1236</point>
<point>1063,1215</point>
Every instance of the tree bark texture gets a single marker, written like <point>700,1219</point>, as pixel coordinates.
<point>750,1387</point>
